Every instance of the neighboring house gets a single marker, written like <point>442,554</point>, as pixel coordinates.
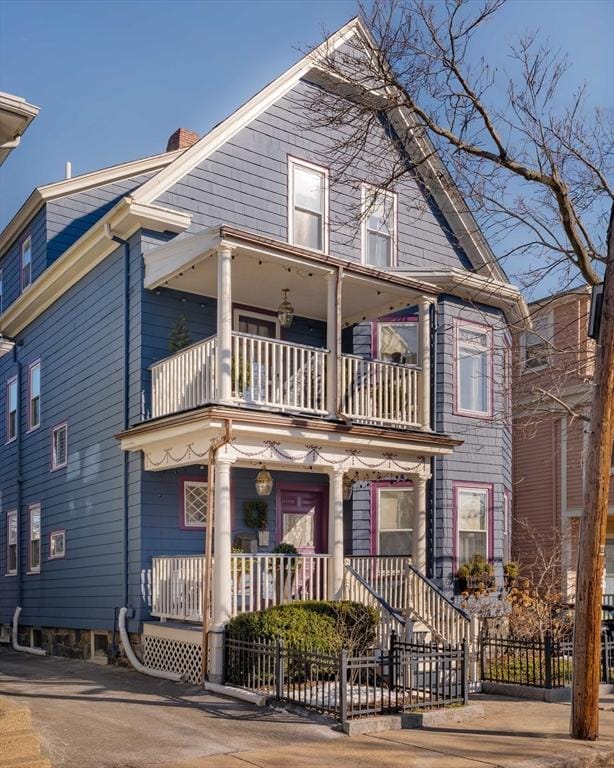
<point>386,376</point>
<point>15,117</point>
<point>552,394</point>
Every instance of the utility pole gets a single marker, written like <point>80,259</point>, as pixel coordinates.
<point>591,548</point>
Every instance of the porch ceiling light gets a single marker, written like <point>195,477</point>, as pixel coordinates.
<point>285,313</point>
<point>264,482</point>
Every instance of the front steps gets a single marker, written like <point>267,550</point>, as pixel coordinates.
<point>19,745</point>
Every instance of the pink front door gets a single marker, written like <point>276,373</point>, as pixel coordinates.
<point>301,518</point>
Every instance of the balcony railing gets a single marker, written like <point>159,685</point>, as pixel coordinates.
<point>373,391</point>
<point>282,376</point>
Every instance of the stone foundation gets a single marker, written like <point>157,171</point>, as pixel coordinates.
<point>77,644</point>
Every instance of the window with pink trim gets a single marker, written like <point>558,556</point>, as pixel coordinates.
<point>473,370</point>
<point>11,410</point>
<point>59,446</point>
<point>11,542</point>
<point>472,520</point>
<point>34,550</point>
<point>26,263</point>
<point>392,528</point>
<point>34,395</point>
<point>194,511</point>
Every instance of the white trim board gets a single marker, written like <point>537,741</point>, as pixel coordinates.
<point>80,183</point>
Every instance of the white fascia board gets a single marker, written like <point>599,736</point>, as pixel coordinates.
<point>475,287</point>
<point>168,260</point>
<point>59,189</point>
<point>124,219</point>
<point>228,128</point>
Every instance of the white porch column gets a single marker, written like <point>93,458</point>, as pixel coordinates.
<point>418,554</point>
<point>335,535</point>
<point>224,325</point>
<point>221,589</point>
<point>424,408</point>
<point>333,335</point>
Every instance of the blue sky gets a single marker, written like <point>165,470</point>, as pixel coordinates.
<point>115,78</point>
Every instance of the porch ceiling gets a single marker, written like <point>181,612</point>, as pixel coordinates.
<point>261,268</point>
<point>286,442</point>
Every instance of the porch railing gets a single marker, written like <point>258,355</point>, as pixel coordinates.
<point>184,380</point>
<point>278,374</point>
<point>258,582</point>
<point>427,604</point>
<point>374,391</point>
<point>385,574</point>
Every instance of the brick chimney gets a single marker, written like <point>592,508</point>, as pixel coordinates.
<point>181,139</point>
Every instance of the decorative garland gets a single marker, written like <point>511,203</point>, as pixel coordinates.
<point>272,449</point>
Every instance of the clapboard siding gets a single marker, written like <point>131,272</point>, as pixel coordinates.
<point>10,261</point>
<point>71,216</point>
<point>79,342</point>
<point>245,183</point>
<point>485,455</point>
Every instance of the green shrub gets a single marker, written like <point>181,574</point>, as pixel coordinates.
<point>312,624</point>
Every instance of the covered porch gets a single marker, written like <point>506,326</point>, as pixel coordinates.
<point>230,439</point>
<point>249,274</point>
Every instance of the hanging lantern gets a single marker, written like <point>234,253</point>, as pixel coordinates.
<point>348,487</point>
<point>285,313</point>
<point>264,482</point>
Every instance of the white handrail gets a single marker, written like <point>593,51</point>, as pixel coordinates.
<point>426,603</point>
<point>184,380</point>
<point>379,392</point>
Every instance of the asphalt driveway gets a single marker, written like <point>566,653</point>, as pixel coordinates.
<point>107,717</point>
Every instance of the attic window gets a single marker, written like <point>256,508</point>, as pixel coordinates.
<point>26,263</point>
<point>308,197</point>
<point>379,226</point>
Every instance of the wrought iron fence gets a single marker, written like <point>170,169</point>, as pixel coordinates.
<point>537,663</point>
<point>407,676</point>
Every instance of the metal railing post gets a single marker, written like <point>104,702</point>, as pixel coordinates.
<point>279,669</point>
<point>548,659</point>
<point>343,693</point>
<point>465,672</point>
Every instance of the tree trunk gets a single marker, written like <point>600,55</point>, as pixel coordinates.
<point>591,549</point>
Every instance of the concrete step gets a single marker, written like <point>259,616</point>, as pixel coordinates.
<point>13,717</point>
<point>19,744</point>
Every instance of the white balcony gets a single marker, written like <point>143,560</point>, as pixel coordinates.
<point>280,376</point>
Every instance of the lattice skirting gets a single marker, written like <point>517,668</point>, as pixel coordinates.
<point>170,655</point>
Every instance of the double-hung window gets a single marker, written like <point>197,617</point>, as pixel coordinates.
<point>397,342</point>
<point>473,370</point>
<point>59,446</point>
<point>378,226</point>
<point>26,263</point>
<point>472,513</point>
<point>536,345</point>
<point>11,410</point>
<point>57,545</point>
<point>194,512</point>
<point>11,543</point>
<point>307,225</point>
<point>395,520</point>
<point>34,395</point>
<point>34,553</point>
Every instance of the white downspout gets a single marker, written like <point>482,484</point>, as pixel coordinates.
<point>173,676</point>
<point>23,648</point>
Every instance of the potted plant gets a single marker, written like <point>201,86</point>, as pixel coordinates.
<point>256,514</point>
<point>476,576</point>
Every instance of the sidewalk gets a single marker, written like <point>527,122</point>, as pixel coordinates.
<point>522,734</point>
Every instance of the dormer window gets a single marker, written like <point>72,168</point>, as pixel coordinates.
<point>26,263</point>
<point>379,225</point>
<point>308,197</point>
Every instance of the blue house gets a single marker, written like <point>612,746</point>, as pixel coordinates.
<point>208,338</point>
